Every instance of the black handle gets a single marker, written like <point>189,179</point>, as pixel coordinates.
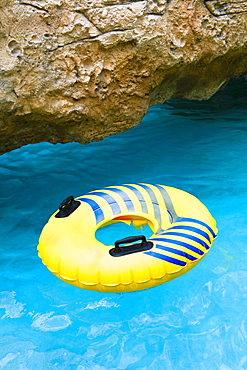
<point>66,202</point>
<point>130,239</point>
<point>133,248</point>
<point>67,207</point>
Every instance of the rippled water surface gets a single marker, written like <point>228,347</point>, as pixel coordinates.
<point>198,321</point>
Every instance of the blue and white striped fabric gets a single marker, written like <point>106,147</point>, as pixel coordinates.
<point>187,238</point>
<point>134,197</point>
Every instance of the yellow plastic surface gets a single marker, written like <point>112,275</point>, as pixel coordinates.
<point>183,232</point>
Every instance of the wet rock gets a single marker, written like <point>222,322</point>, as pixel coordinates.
<point>80,70</point>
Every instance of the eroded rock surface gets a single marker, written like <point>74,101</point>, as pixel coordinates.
<point>80,70</point>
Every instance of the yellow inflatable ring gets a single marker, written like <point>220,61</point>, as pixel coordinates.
<point>183,232</point>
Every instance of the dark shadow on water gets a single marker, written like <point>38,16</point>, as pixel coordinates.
<point>232,97</point>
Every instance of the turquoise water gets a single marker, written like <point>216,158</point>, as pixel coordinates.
<point>198,321</point>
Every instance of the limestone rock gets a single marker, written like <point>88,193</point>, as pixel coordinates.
<point>80,70</point>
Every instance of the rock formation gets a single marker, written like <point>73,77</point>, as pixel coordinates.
<point>80,70</point>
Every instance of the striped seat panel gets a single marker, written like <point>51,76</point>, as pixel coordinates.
<point>187,241</point>
<point>134,195</point>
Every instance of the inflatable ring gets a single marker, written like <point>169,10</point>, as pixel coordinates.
<point>183,232</point>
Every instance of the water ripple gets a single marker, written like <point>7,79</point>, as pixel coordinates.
<point>50,322</point>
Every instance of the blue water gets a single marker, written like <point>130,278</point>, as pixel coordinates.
<point>198,321</point>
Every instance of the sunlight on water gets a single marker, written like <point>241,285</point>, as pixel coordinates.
<point>198,321</point>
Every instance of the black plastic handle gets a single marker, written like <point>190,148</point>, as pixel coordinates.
<point>133,248</point>
<point>67,207</point>
<point>66,202</point>
<point>130,239</point>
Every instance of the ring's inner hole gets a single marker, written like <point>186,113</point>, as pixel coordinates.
<point>118,230</point>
